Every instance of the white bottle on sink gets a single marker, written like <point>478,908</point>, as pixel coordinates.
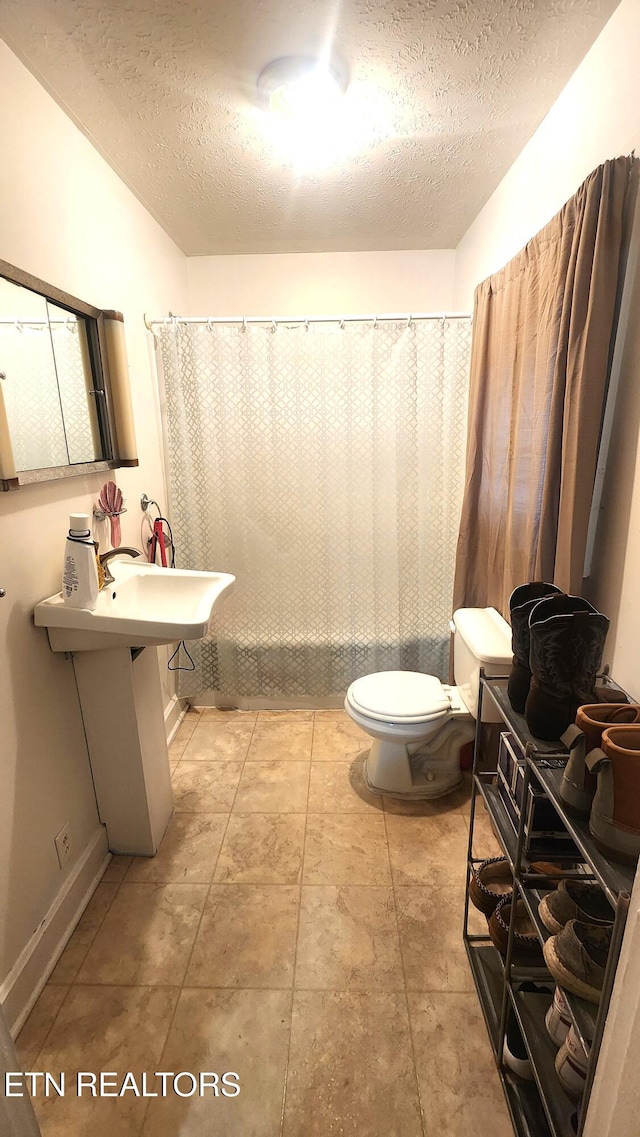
<point>80,572</point>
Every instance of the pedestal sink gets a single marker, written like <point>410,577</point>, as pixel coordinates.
<point>146,606</point>
<point>120,690</point>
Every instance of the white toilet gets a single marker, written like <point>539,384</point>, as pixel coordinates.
<point>418,723</point>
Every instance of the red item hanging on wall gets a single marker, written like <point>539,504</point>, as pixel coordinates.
<point>158,542</point>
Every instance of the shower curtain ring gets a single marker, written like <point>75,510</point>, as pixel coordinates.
<point>342,325</point>
<point>274,326</point>
<point>209,324</point>
<point>306,324</point>
<point>244,323</point>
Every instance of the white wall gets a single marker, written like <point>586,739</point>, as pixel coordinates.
<point>596,117</point>
<point>321,284</point>
<point>67,218</point>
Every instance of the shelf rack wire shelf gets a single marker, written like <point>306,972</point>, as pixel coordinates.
<point>539,1108</point>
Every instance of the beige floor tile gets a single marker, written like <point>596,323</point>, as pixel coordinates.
<point>455,802</point>
<point>346,849</point>
<point>147,935</point>
<point>219,714</point>
<point>104,1028</point>
<point>427,850</point>
<point>348,940</point>
<point>183,735</point>
<point>351,1069</point>
<point>84,933</point>
<point>288,741</point>
<point>116,869</point>
<point>247,937</point>
<point>205,787</point>
<point>333,714</point>
<point>188,852</point>
<point>242,1031</point>
<point>459,1085</point>
<point>273,787</point>
<point>430,923</point>
<point>485,842</point>
<point>285,716</point>
<point>219,741</point>
<point>336,740</point>
<point>339,787</point>
<point>262,848</point>
<point>32,1037</point>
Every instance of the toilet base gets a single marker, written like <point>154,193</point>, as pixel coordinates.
<point>420,770</point>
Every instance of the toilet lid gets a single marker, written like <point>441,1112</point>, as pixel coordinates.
<point>399,696</point>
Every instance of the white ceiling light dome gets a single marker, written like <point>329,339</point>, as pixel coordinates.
<point>301,86</point>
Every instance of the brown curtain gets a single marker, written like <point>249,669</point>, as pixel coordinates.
<point>542,338</point>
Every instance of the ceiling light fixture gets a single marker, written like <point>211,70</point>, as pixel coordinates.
<point>300,87</point>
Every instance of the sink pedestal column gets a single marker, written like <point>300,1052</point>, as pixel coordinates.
<point>123,714</point>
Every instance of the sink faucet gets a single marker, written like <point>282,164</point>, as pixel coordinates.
<point>108,556</point>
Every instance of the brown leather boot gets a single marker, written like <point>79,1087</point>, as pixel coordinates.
<point>614,821</point>
<point>578,786</point>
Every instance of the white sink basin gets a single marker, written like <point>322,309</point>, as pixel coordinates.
<point>145,606</point>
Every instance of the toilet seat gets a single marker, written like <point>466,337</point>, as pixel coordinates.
<point>399,697</point>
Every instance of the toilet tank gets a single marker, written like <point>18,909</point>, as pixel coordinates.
<point>481,638</point>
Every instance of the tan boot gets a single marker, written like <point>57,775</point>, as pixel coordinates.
<point>578,786</point>
<point>615,814</point>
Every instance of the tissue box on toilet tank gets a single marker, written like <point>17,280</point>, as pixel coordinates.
<point>544,833</point>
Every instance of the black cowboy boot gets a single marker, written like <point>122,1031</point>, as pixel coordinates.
<point>567,637</point>
<point>521,601</point>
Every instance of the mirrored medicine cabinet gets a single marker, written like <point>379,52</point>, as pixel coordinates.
<point>65,404</point>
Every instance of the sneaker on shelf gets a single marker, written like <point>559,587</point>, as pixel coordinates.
<point>577,958</point>
<point>571,1066</point>
<point>575,900</point>
<point>558,1018</point>
<point>514,1051</point>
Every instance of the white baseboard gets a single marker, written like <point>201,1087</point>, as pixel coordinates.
<point>174,713</point>
<point>38,958</point>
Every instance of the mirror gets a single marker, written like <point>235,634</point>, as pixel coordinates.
<point>64,399</point>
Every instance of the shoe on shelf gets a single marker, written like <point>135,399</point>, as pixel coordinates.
<point>567,636</point>
<point>514,1051</point>
<point>571,1066</point>
<point>552,872</point>
<point>578,785</point>
<point>577,958</point>
<point>575,900</point>
<point>521,601</point>
<point>558,1018</point>
<point>490,882</point>
<point>614,822</point>
<point>526,945</point>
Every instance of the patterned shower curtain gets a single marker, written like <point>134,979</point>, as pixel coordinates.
<point>322,464</point>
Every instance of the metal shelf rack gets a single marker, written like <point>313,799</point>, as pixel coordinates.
<point>539,1108</point>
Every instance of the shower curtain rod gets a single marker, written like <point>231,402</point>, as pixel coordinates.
<point>409,317</point>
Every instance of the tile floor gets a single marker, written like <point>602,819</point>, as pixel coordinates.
<point>293,928</point>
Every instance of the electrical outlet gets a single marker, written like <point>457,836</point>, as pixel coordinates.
<point>63,845</point>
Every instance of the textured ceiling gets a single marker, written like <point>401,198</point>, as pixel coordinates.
<point>442,97</point>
